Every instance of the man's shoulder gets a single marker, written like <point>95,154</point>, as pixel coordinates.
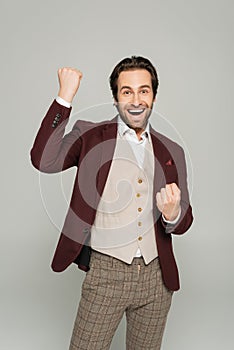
<point>86,125</point>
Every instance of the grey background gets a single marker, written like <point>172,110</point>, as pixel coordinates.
<point>191,43</point>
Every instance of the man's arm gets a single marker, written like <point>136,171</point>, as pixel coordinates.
<point>52,151</point>
<point>173,201</point>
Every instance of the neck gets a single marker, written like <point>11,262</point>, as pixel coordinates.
<point>138,131</point>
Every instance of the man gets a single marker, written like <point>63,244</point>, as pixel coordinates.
<point>130,196</point>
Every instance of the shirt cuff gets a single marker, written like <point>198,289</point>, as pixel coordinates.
<point>62,102</point>
<point>173,221</point>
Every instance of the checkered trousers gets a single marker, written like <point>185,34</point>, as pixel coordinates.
<point>113,288</point>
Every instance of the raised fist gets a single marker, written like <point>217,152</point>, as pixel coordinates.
<point>69,82</point>
<point>168,201</point>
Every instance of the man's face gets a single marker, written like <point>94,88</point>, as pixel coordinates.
<point>135,97</point>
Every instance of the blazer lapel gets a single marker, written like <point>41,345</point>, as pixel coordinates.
<point>159,156</point>
<point>107,147</point>
<point>164,161</point>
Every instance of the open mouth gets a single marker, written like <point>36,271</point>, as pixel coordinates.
<point>136,111</point>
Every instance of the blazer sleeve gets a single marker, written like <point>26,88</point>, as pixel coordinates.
<point>186,216</point>
<point>52,152</point>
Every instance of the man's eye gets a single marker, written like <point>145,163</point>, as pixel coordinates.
<point>144,91</point>
<point>127,92</point>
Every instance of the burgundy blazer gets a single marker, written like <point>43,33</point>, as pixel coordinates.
<point>90,147</point>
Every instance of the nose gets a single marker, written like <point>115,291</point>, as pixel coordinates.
<point>136,100</point>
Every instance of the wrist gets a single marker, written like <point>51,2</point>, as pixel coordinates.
<point>173,216</point>
<point>65,95</point>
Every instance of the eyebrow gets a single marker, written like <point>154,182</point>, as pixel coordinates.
<point>140,87</point>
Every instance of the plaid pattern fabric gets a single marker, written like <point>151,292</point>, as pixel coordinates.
<point>110,289</point>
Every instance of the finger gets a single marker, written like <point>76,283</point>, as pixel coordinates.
<point>79,73</point>
<point>158,198</point>
<point>164,196</point>
<point>59,72</point>
<point>175,190</point>
<point>169,191</point>
<point>159,201</point>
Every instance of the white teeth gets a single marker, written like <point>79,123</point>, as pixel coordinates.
<point>136,110</point>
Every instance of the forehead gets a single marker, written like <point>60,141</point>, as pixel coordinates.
<point>134,78</point>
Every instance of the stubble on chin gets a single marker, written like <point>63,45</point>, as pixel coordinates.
<point>136,125</point>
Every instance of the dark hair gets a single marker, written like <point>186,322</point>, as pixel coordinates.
<point>135,62</point>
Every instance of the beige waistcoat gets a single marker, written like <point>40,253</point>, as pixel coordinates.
<point>124,220</point>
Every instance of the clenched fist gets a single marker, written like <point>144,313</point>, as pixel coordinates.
<point>168,201</point>
<point>69,81</point>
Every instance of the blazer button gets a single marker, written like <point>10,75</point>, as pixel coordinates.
<point>86,230</point>
<point>57,117</point>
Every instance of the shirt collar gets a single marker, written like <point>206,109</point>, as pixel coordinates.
<point>123,128</point>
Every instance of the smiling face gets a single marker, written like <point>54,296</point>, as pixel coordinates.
<point>135,98</point>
